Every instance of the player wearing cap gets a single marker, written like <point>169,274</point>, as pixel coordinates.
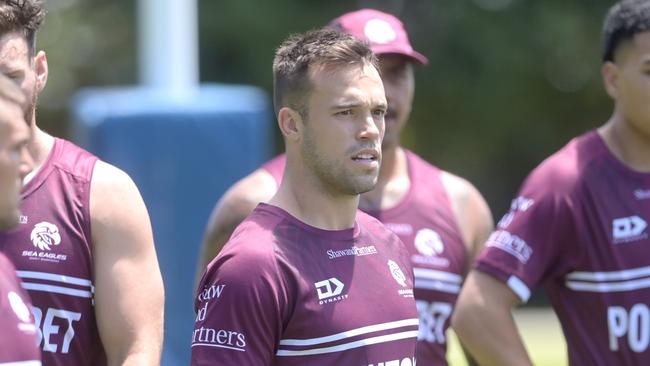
<point>440,217</point>
<point>580,227</point>
<point>308,279</point>
<point>17,328</point>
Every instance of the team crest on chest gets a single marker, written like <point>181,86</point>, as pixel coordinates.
<point>430,247</point>
<point>429,243</point>
<point>397,273</point>
<point>44,235</point>
<point>400,278</point>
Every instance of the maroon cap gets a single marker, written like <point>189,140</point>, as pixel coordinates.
<point>383,31</point>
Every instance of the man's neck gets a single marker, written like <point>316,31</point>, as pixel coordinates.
<point>393,182</point>
<point>39,149</point>
<point>626,143</point>
<point>311,203</point>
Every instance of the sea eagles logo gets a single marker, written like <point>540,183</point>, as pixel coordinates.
<point>429,243</point>
<point>379,31</point>
<point>397,273</point>
<point>45,234</point>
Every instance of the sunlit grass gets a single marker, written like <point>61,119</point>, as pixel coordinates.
<point>542,335</point>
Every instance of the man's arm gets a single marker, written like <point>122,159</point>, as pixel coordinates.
<point>129,293</point>
<point>474,219</point>
<point>241,305</point>
<point>472,214</point>
<point>231,210</point>
<point>483,322</point>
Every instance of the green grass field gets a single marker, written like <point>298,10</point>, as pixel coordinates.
<point>542,335</point>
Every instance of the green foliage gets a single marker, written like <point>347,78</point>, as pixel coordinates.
<point>510,81</point>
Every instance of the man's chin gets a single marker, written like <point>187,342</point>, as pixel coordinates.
<point>365,184</point>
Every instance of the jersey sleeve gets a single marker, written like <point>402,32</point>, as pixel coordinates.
<point>239,310</point>
<point>533,241</point>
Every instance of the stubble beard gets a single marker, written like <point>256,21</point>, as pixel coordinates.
<point>30,109</point>
<point>333,176</point>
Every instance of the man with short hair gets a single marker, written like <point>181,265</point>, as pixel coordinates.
<point>274,295</point>
<point>580,227</point>
<point>84,247</point>
<point>17,328</point>
<point>441,218</point>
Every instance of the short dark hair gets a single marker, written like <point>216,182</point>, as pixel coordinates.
<point>25,16</point>
<point>300,52</point>
<point>624,20</point>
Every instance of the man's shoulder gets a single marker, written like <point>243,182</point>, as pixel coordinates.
<point>255,234</point>
<point>370,225</point>
<point>434,177</point>
<point>107,177</point>
<point>564,170</point>
<point>72,159</point>
<point>419,164</point>
<point>458,189</point>
<point>249,253</point>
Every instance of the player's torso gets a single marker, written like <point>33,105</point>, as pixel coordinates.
<point>606,295</point>
<point>52,253</point>
<point>426,224</point>
<point>354,302</point>
<point>17,330</point>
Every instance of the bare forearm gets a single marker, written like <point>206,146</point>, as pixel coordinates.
<point>484,323</point>
<point>492,338</point>
<point>468,357</point>
<point>138,359</point>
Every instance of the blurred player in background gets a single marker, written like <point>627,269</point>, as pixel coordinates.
<point>275,295</point>
<point>580,227</point>
<point>17,329</point>
<point>442,218</point>
<point>84,248</point>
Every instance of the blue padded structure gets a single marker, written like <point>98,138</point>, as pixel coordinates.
<point>183,155</point>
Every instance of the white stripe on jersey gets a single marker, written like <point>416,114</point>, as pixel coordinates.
<point>216,345</point>
<point>519,288</point>
<point>22,363</point>
<point>432,274</point>
<point>626,274</point>
<point>65,281</point>
<point>351,345</point>
<point>56,289</point>
<point>436,285</point>
<point>611,281</point>
<point>630,285</point>
<point>54,277</point>
<point>350,333</point>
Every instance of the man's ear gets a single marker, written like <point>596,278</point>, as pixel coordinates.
<point>610,72</point>
<point>41,70</point>
<point>290,123</point>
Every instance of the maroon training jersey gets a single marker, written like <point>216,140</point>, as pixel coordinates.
<point>426,224</point>
<point>276,296</point>
<point>52,251</point>
<point>17,329</point>
<point>580,227</point>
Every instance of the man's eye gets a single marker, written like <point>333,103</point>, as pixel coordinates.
<point>347,112</point>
